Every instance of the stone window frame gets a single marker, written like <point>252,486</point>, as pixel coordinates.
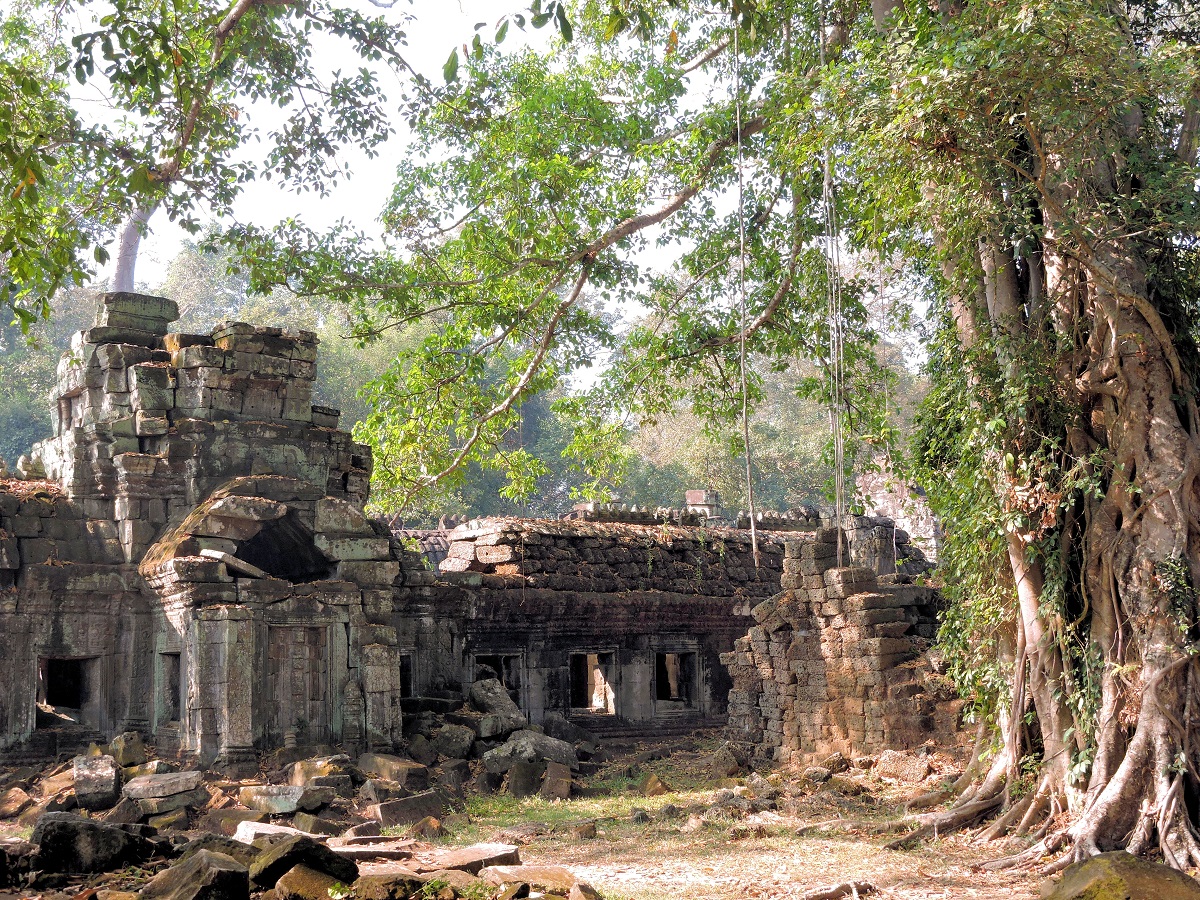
<point>614,682</point>
<point>522,689</point>
<point>680,647</point>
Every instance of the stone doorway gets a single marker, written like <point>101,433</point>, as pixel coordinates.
<point>298,684</point>
<point>68,693</point>
<point>592,683</point>
<point>674,680</point>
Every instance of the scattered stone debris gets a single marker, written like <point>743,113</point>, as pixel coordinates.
<point>301,826</point>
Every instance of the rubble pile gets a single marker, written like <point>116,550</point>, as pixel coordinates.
<point>305,823</point>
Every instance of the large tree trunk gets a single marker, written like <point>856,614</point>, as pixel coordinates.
<point>1139,575</point>
<point>127,249</point>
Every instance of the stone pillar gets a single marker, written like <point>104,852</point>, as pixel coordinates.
<point>220,686</point>
<point>137,678</point>
<point>381,694</point>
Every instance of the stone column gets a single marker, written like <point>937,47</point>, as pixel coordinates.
<point>381,692</point>
<point>220,686</point>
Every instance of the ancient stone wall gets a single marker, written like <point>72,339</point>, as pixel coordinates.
<point>555,603</point>
<point>196,566</point>
<point>834,663</point>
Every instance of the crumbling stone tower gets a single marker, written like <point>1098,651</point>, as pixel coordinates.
<point>197,565</point>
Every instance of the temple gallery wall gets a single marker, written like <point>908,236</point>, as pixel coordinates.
<point>188,557</point>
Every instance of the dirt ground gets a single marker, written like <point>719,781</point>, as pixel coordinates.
<point>709,857</point>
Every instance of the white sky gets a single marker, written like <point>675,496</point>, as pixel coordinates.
<point>439,26</point>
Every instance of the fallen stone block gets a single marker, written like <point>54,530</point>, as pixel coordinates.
<point>303,883</point>
<point>556,783</point>
<point>392,886</point>
<point>427,829</point>
<point>97,781</point>
<point>128,749</point>
<point>311,823</point>
<point>249,831</point>
<point>281,799</point>
<point>454,741</point>
<point>405,772</point>
<point>156,806</point>
<point>557,726</point>
<point>57,783</point>
<point>243,853</point>
<point>207,875</point>
<point>16,858</point>
<point>153,767</point>
<point>226,821</point>
<point>555,879</point>
<point>377,790</point>
<point>13,802</point>
<point>653,786</point>
<point>1120,874</point>
<point>477,856</point>
<point>529,746</point>
<point>176,820</point>
<point>728,761</point>
<point>341,785</point>
<point>276,861</point>
<point>524,778</point>
<point>305,770</point>
<point>150,787</point>
<point>422,750</point>
<point>902,766</point>
<point>488,695</point>
<point>71,843</point>
<point>407,810</point>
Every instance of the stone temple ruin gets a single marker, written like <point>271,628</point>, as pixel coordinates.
<point>195,565</point>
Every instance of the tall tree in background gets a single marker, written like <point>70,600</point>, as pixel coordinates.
<point>179,80</point>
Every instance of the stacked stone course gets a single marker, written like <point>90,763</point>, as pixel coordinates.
<point>834,664</point>
<point>572,556</point>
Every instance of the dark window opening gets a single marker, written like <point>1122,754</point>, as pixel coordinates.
<point>171,687</point>
<point>591,683</point>
<point>284,549</point>
<point>406,675</point>
<point>675,677</point>
<point>506,668</point>
<point>66,696</point>
<point>63,683</point>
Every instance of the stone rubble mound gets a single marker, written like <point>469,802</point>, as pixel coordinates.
<point>303,823</point>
